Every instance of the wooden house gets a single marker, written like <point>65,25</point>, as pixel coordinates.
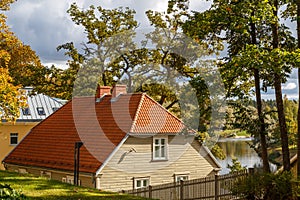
<point>129,141</point>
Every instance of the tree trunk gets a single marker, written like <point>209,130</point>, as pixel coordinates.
<point>279,101</point>
<point>262,127</point>
<point>282,124</point>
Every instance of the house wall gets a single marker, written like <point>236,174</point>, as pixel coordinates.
<point>85,179</point>
<point>134,160</point>
<point>22,128</point>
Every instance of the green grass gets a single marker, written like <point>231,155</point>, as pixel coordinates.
<point>41,188</point>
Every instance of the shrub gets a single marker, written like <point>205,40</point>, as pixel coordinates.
<point>265,187</point>
<point>8,193</point>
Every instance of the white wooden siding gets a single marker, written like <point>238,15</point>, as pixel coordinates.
<point>134,159</point>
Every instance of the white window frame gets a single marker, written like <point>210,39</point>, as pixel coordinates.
<point>70,180</point>
<point>26,111</point>
<point>184,177</point>
<point>41,111</point>
<point>160,146</point>
<point>46,174</point>
<point>142,180</point>
<point>22,171</point>
<point>13,135</point>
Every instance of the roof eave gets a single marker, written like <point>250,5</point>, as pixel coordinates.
<point>111,155</point>
<point>212,156</point>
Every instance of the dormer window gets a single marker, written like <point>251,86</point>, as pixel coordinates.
<point>40,111</point>
<point>26,111</point>
<point>13,138</point>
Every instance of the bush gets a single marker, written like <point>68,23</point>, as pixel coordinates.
<point>8,193</point>
<point>265,187</point>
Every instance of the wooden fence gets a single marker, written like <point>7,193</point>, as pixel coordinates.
<point>210,188</point>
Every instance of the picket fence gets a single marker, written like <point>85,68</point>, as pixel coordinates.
<point>215,187</point>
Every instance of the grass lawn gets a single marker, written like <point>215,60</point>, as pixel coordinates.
<point>41,188</point>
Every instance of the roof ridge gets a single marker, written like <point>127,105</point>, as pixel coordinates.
<point>137,112</point>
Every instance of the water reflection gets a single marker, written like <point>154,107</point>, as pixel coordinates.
<point>238,148</point>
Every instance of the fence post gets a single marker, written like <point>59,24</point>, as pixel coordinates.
<point>150,192</point>
<point>181,189</point>
<point>216,187</point>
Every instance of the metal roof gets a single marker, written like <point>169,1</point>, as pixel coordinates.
<point>40,106</point>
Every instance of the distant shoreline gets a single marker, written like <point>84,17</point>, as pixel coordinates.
<point>236,138</point>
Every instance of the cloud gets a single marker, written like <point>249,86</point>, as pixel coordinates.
<point>44,25</point>
<point>289,86</point>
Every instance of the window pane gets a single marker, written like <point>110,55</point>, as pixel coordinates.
<point>162,141</point>
<point>156,151</point>
<point>40,111</point>
<point>145,183</point>
<point>163,152</point>
<point>138,183</point>
<point>14,138</point>
<point>156,141</point>
<point>26,111</point>
<point>179,178</point>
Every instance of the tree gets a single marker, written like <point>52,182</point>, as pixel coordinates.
<point>298,119</point>
<point>293,12</point>
<point>11,98</point>
<point>277,77</point>
<point>236,166</point>
<point>239,20</point>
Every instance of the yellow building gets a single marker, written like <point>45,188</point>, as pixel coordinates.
<point>40,106</point>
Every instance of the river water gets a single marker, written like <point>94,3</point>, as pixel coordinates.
<point>238,148</point>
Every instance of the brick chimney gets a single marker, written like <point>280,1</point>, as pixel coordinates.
<point>101,90</point>
<point>118,89</point>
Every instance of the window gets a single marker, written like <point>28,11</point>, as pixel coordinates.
<point>46,174</point>
<point>181,177</point>
<point>70,180</point>
<point>26,111</point>
<point>13,138</point>
<point>141,182</point>
<point>22,171</point>
<point>40,111</point>
<point>160,148</point>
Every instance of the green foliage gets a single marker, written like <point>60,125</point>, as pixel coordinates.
<point>265,186</point>
<point>44,189</point>
<point>236,166</point>
<point>215,149</point>
<point>6,192</point>
<point>218,152</point>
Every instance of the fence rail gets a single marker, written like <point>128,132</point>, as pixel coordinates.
<point>215,187</point>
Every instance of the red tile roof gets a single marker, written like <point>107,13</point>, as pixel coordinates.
<point>101,126</point>
<point>152,118</point>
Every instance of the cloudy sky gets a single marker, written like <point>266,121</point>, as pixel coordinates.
<point>45,24</point>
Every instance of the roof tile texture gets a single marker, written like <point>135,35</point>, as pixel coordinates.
<point>101,126</point>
